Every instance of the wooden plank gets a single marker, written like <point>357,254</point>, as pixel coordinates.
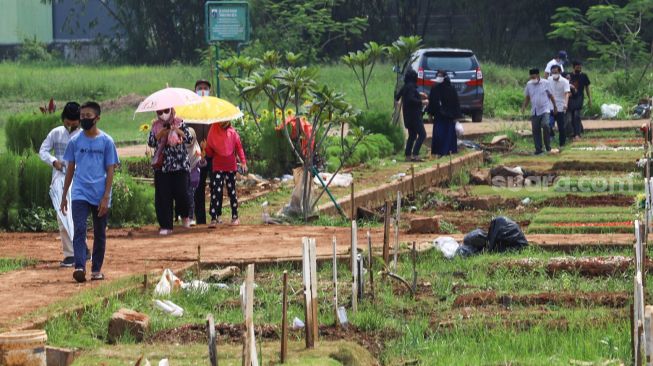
<point>314,301</point>
<point>249,316</point>
<point>395,248</point>
<point>308,306</point>
<point>212,340</point>
<point>354,270</point>
<point>284,319</point>
<point>370,267</point>
<point>335,279</point>
<point>386,234</point>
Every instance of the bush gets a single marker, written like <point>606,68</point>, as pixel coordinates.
<point>381,123</point>
<point>35,182</point>
<point>137,166</point>
<point>36,220</point>
<point>268,152</point>
<point>132,203</point>
<point>372,147</point>
<point>32,50</point>
<point>10,167</point>
<point>26,132</point>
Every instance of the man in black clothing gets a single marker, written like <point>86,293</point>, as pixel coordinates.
<point>580,85</point>
<point>412,105</point>
<point>202,88</point>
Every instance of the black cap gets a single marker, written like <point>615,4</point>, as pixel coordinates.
<point>533,71</point>
<point>70,111</point>
<point>202,81</point>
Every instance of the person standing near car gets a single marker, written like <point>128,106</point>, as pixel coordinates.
<point>443,109</point>
<point>412,104</point>
<point>581,84</point>
<point>538,93</point>
<point>559,60</point>
<point>560,90</point>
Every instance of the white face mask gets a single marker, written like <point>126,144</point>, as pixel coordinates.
<point>439,79</point>
<point>533,81</point>
<point>556,76</point>
<point>165,116</point>
<point>203,93</point>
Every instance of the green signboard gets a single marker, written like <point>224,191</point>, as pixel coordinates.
<point>227,21</point>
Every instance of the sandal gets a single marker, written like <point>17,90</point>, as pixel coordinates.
<point>97,276</point>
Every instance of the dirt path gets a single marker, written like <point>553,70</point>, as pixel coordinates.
<point>24,291</point>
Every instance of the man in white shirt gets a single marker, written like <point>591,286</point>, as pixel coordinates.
<point>561,91</point>
<point>538,93</point>
<point>56,142</point>
<point>559,60</point>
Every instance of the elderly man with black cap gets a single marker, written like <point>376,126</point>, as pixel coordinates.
<point>540,95</point>
<point>56,142</point>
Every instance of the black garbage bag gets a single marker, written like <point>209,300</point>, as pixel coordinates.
<point>504,235</point>
<point>476,240</point>
<point>467,251</point>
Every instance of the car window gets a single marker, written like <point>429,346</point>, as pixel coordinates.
<point>449,62</point>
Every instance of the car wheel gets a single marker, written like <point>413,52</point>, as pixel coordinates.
<point>477,116</point>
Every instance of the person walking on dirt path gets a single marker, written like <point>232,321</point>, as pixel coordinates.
<point>223,145</point>
<point>197,162</point>
<point>56,142</point>
<point>92,158</point>
<point>443,109</point>
<point>412,105</point>
<point>538,93</point>
<point>561,91</point>
<point>559,60</point>
<point>580,83</point>
<point>169,136</point>
<point>202,88</point>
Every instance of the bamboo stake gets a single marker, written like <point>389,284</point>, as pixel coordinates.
<point>412,179</point>
<point>213,346</point>
<point>395,249</point>
<point>386,234</point>
<point>284,319</point>
<point>354,269</point>
<point>249,357</point>
<point>335,280</point>
<point>353,202</point>
<point>312,250</point>
<point>414,259</point>
<point>369,266</point>
<point>308,306</point>
<point>199,259</point>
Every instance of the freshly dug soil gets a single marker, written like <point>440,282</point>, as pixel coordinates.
<point>585,266</point>
<point>608,299</point>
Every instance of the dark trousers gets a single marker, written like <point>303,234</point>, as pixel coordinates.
<point>80,211</point>
<point>200,193</point>
<point>217,185</point>
<point>540,126</point>
<point>416,136</point>
<point>168,188</point>
<point>560,121</point>
<point>576,122</point>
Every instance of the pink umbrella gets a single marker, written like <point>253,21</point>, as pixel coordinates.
<point>168,98</point>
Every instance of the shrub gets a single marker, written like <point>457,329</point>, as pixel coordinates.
<point>137,166</point>
<point>10,167</point>
<point>131,202</point>
<point>35,181</point>
<point>268,152</point>
<point>32,50</point>
<point>27,131</point>
<point>35,220</point>
<point>372,147</point>
<point>381,123</point>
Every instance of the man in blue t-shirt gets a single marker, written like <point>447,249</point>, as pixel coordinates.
<point>92,158</point>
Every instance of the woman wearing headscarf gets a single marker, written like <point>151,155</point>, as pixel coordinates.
<point>412,111</point>
<point>444,107</point>
<point>169,136</point>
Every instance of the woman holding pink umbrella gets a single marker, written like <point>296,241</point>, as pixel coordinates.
<point>168,137</point>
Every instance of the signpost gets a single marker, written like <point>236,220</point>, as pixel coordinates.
<point>226,21</point>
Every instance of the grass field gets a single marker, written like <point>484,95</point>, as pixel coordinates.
<point>12,264</point>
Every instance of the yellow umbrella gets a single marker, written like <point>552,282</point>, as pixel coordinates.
<point>209,110</point>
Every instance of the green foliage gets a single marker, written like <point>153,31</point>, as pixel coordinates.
<point>371,147</point>
<point>362,63</point>
<point>302,27</point>
<point>37,219</point>
<point>12,264</point>
<point>267,151</point>
<point>27,131</point>
<point>132,203</point>
<point>381,123</point>
<point>35,181</point>
<point>9,193</point>
<point>32,50</point>
<point>402,49</point>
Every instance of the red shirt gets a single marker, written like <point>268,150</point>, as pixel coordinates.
<point>222,145</point>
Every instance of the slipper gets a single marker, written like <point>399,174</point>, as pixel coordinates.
<point>97,277</point>
<point>79,275</point>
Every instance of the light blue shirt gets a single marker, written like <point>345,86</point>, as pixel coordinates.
<point>92,157</point>
<point>539,94</point>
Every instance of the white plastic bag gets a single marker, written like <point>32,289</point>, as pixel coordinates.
<point>447,245</point>
<point>167,283</point>
<point>196,285</point>
<point>297,323</point>
<point>460,131</point>
<point>341,179</point>
<point>610,110</point>
<point>164,362</point>
<point>169,307</point>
